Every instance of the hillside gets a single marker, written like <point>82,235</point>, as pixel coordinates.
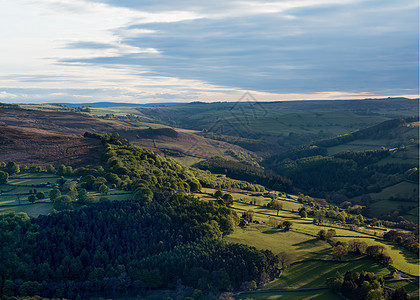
<point>365,167</point>
<point>279,125</point>
<point>65,122</point>
<point>38,147</point>
<point>183,145</point>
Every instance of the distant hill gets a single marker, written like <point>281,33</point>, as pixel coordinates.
<point>363,167</point>
<point>392,133</point>
<point>280,125</point>
<point>117,104</point>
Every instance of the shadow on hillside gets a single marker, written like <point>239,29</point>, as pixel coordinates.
<point>272,231</point>
<point>307,244</point>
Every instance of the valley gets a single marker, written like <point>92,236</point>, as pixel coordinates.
<point>209,200</point>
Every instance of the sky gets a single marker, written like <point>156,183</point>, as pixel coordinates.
<point>84,51</point>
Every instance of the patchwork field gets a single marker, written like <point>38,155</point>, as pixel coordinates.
<point>301,242</point>
<point>14,195</point>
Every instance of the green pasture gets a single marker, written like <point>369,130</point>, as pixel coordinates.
<point>257,235</point>
<point>116,111</point>
<point>298,246</point>
<point>186,160</point>
<point>14,197</point>
<point>309,274</point>
<point>402,190</point>
<point>326,294</point>
<point>386,206</point>
<point>33,210</point>
<point>33,178</point>
<point>403,259</point>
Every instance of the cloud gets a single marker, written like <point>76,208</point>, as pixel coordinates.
<point>6,95</point>
<point>140,50</point>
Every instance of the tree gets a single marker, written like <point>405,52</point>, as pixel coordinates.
<point>40,195</point>
<point>249,286</point>
<point>62,203</point>
<point>70,185</point>
<point>12,168</point>
<point>32,198</point>
<point>284,259</point>
<point>50,169</point>
<point>339,251</point>
<point>218,194</point>
<point>194,184</point>
<point>375,250</point>
<point>4,177</point>
<point>30,288</point>
<point>320,216</point>
<point>357,246</point>
<point>61,170</point>
<point>330,233</point>
<point>227,199</point>
<point>143,193</point>
<point>103,189</point>
<point>376,294</point>
<point>322,234</point>
<point>35,169</point>
<point>303,214</point>
<point>341,217</point>
<point>54,194</point>
<point>287,225</point>
<point>277,205</point>
<point>400,294</point>
<point>8,288</point>
<point>82,195</point>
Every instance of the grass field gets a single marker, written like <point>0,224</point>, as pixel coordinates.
<point>305,295</point>
<point>403,259</point>
<point>315,273</point>
<point>14,196</point>
<point>32,210</point>
<point>297,245</point>
<point>386,206</point>
<point>402,190</point>
<point>301,242</point>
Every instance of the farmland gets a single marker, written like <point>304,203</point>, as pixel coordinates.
<point>14,195</point>
<point>301,240</point>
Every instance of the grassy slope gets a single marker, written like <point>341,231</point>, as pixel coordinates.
<point>313,273</point>
<point>307,295</point>
<point>300,241</point>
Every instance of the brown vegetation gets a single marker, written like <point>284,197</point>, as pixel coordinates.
<point>37,147</point>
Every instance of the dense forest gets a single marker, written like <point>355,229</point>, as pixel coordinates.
<point>126,246</point>
<point>158,240</point>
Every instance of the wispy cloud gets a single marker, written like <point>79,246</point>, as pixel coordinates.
<point>159,50</point>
